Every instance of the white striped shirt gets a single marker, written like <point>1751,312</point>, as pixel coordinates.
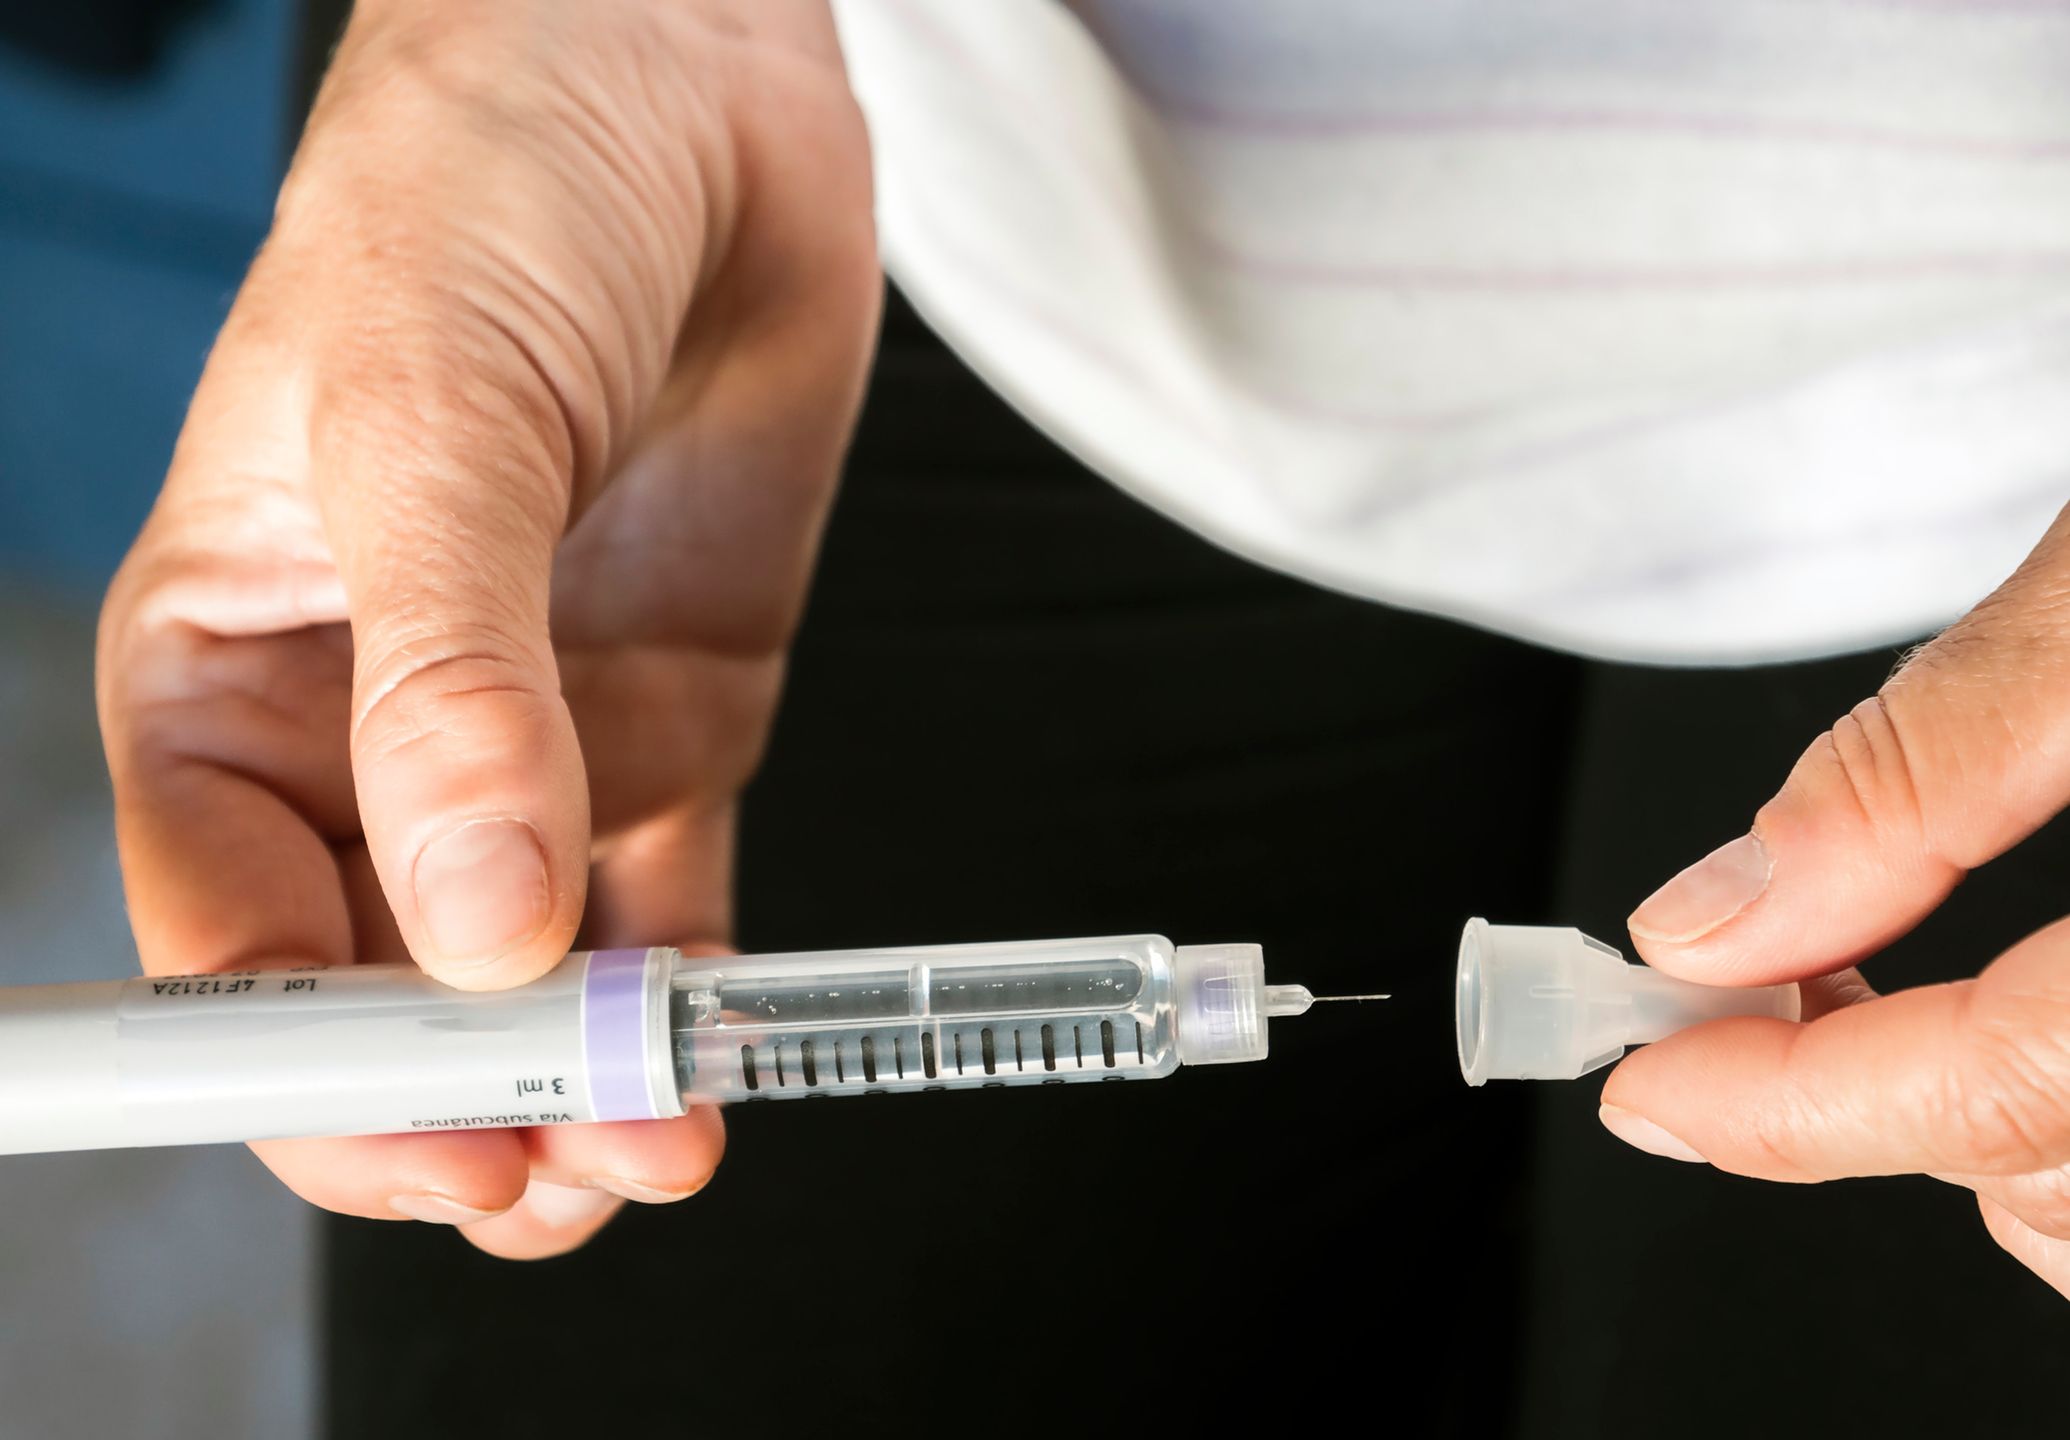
<point>1718,330</point>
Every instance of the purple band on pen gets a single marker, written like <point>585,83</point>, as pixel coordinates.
<point>616,1026</point>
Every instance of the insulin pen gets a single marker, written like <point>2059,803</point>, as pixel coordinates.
<point>645,1034</point>
<point>608,1035</point>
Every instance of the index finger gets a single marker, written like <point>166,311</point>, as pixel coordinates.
<point>1971,1077</point>
<point>223,796</point>
<point>219,793</point>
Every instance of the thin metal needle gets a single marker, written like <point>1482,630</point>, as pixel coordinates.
<point>1324,999</point>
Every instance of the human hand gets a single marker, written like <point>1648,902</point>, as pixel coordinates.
<point>458,624</point>
<point>1964,752</point>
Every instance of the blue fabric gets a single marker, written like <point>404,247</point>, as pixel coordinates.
<point>128,211</point>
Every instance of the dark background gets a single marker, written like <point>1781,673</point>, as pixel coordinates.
<point>1025,706</point>
<point>1670,1299</point>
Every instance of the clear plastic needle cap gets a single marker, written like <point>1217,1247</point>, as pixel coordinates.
<point>1540,1002</point>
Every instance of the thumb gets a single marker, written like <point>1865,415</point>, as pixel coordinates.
<point>467,278</point>
<point>444,483</point>
<point>1963,753</point>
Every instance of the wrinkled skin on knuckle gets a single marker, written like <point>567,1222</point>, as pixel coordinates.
<point>1925,776</point>
<point>1857,778</point>
<point>2010,1090</point>
<point>1770,1144</point>
<point>451,692</point>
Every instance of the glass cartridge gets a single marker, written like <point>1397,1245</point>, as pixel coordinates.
<point>1034,1013</point>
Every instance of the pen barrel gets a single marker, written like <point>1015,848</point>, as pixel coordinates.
<point>356,1050</point>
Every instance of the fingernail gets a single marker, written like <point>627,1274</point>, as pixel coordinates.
<point>645,1194</point>
<point>481,889</point>
<point>436,1210</point>
<point>1642,1134</point>
<point>560,1206</point>
<point>1707,894</point>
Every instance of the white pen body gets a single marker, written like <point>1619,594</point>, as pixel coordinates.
<point>356,1050</point>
